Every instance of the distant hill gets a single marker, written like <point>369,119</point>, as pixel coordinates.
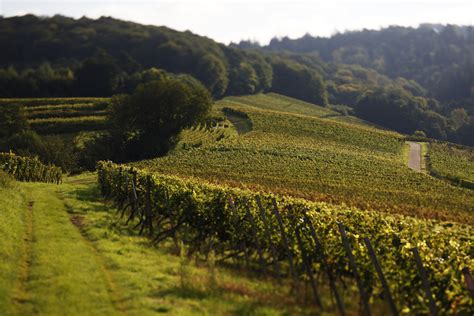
<point>422,78</point>
<point>439,57</point>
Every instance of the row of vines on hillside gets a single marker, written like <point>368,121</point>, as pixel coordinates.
<point>300,239</point>
<point>29,169</point>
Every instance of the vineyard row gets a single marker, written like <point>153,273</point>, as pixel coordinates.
<point>29,169</point>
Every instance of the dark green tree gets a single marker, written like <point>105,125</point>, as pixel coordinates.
<point>212,72</point>
<point>148,122</point>
<point>243,80</point>
<point>12,120</point>
<point>392,108</point>
<point>98,77</point>
<point>298,81</point>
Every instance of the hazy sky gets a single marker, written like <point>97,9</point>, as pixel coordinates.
<point>233,20</point>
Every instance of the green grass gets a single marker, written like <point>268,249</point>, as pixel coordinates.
<point>64,276</point>
<point>276,102</point>
<point>69,106</point>
<point>12,228</point>
<point>319,159</point>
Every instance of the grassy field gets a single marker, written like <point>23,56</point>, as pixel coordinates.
<point>65,252</point>
<point>306,155</point>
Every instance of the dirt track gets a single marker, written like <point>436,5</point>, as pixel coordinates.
<point>414,156</point>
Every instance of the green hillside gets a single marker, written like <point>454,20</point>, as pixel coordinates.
<point>300,153</point>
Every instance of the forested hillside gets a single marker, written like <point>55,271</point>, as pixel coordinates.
<point>438,60</point>
<point>409,80</point>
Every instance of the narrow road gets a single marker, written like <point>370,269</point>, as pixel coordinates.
<point>414,156</point>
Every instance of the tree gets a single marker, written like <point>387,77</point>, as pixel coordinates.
<point>148,122</point>
<point>298,81</point>
<point>12,120</point>
<point>243,80</point>
<point>98,77</point>
<point>459,118</point>
<point>212,72</point>
<point>392,108</point>
<point>466,133</point>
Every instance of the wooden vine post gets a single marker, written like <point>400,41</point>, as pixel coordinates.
<point>308,267</point>
<point>285,242</point>
<point>242,246</point>
<point>320,250</point>
<point>134,195</point>
<point>255,237</point>
<point>149,213</point>
<point>378,269</point>
<point>268,234</point>
<point>469,281</point>
<point>347,247</point>
<point>425,282</point>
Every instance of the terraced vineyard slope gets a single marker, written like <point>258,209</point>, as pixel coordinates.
<point>300,153</point>
<point>63,115</point>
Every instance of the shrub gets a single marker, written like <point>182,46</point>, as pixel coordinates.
<point>5,179</point>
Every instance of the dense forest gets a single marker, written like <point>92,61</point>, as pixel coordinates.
<point>439,59</point>
<point>423,77</point>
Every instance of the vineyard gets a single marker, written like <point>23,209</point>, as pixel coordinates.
<point>204,134</point>
<point>63,115</point>
<point>317,159</point>
<point>452,163</point>
<point>305,241</point>
<point>29,169</point>
<point>318,206</point>
<point>281,103</point>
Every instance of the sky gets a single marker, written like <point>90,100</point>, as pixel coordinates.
<point>258,20</point>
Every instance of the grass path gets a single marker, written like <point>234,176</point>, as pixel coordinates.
<point>65,252</point>
<point>26,253</point>
<point>65,276</point>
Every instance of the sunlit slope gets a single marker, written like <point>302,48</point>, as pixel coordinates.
<point>452,162</point>
<point>281,103</point>
<point>318,159</point>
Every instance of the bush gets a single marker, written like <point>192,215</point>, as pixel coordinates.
<point>50,149</point>
<point>12,120</point>
<point>5,179</point>
<point>419,134</point>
